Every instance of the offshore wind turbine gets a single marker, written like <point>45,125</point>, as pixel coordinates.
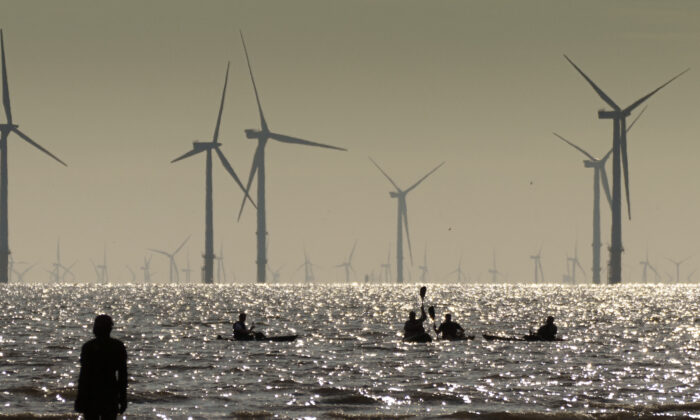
<point>460,274</point>
<point>174,274</point>
<point>387,268</point>
<point>133,274</point>
<point>220,268</point>
<point>347,265</point>
<point>494,271</point>
<point>146,268</point>
<point>198,147</point>
<point>537,260</point>
<point>402,222</point>
<point>187,270</point>
<point>275,274</point>
<point>5,130</point>
<point>678,267</point>
<point>67,271</point>
<point>600,177</point>
<point>646,265</point>
<point>308,268</point>
<point>575,263</point>
<point>424,268</point>
<point>258,168</point>
<point>20,274</point>
<point>619,156</point>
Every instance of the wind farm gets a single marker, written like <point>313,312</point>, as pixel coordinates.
<point>248,277</point>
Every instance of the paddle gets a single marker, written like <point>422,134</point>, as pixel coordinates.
<point>422,294</point>
<point>431,312</point>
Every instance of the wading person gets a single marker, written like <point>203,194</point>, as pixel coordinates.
<point>102,380</point>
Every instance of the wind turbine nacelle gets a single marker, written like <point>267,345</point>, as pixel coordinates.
<point>251,134</point>
<point>200,146</point>
<point>393,194</point>
<point>589,164</point>
<point>609,115</point>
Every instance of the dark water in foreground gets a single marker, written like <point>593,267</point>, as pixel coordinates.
<point>631,351</point>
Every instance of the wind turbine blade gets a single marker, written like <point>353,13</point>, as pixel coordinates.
<point>685,259</point>
<point>607,156</point>
<point>180,247</point>
<point>221,107</point>
<point>35,144</point>
<point>352,252</point>
<point>575,147</point>
<point>636,118</point>
<point>595,87</point>
<point>263,123</point>
<point>606,186</point>
<point>625,166</point>
<point>424,177</point>
<point>295,140</point>
<point>5,87</point>
<point>404,210</point>
<point>385,174</point>
<point>188,154</point>
<point>654,270</point>
<point>231,172</point>
<point>159,252</point>
<point>581,267</point>
<point>648,95</point>
<point>251,176</point>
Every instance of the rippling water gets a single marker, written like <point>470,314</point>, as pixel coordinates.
<point>631,351</point>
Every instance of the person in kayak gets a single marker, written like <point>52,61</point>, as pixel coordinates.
<point>241,332</point>
<point>414,327</point>
<point>450,330</point>
<point>547,332</point>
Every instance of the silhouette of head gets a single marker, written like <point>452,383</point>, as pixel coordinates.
<point>412,315</point>
<point>241,317</point>
<point>448,317</point>
<point>102,326</point>
<point>550,320</point>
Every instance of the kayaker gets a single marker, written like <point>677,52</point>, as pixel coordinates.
<point>241,332</point>
<point>547,332</point>
<point>450,330</point>
<point>414,327</point>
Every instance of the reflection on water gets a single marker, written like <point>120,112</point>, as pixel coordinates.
<point>630,349</point>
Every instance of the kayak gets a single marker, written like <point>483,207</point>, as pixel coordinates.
<point>273,338</point>
<point>419,338</point>
<point>523,338</point>
<point>465,338</point>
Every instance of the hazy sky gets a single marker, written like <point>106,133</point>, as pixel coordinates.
<point>118,89</point>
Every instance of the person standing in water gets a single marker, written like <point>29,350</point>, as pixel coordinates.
<point>102,381</point>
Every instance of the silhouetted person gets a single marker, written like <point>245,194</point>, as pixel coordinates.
<point>449,329</point>
<point>102,381</point>
<point>414,327</point>
<point>548,331</point>
<point>241,332</point>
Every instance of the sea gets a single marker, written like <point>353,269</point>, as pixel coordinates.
<point>629,351</point>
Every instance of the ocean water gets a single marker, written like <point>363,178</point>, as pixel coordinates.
<point>631,351</point>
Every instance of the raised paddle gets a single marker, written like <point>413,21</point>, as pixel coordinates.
<point>431,312</point>
<point>422,293</point>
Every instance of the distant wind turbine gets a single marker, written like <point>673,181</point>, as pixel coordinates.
<point>198,147</point>
<point>308,268</point>
<point>133,274</point>
<point>460,274</point>
<point>537,260</point>
<point>424,268</point>
<point>5,130</point>
<point>494,271</point>
<point>402,223</point>
<point>678,267</point>
<point>575,264</point>
<point>646,265</point>
<point>174,274</point>
<point>146,268</point>
<point>20,274</point>
<point>387,268</point>
<point>347,265</point>
<point>275,274</point>
<point>220,267</point>
<point>619,153</point>
<point>258,168</point>
<point>187,270</point>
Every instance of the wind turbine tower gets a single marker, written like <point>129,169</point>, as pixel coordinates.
<point>646,265</point>
<point>5,130</point>
<point>424,268</point>
<point>258,168</point>
<point>174,274</point>
<point>146,268</point>
<point>619,156</point>
<point>402,217</point>
<point>537,260</point>
<point>198,147</point>
<point>494,271</point>
<point>575,264</point>
<point>678,267</point>
<point>347,265</point>
<point>387,268</point>
<point>220,268</point>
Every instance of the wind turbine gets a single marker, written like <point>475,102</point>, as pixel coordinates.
<point>220,268</point>
<point>347,265</point>
<point>20,274</point>
<point>67,271</point>
<point>174,274</point>
<point>5,130</point>
<point>402,217</point>
<point>188,270</point>
<point>646,265</point>
<point>198,147</point>
<point>537,260</point>
<point>619,153</point>
<point>678,267</point>
<point>258,168</point>
<point>459,272</point>
<point>308,268</point>
<point>387,268</point>
<point>146,268</point>
<point>275,274</point>
<point>494,271</point>
<point>575,263</point>
<point>98,273</point>
<point>424,268</point>
<point>600,177</point>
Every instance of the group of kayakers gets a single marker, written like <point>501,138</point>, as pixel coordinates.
<point>413,329</point>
